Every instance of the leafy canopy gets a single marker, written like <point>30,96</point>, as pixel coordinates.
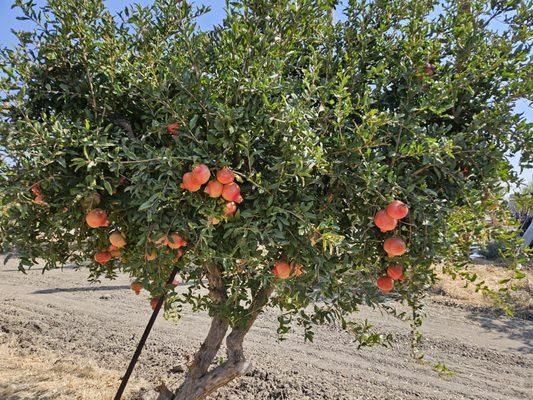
<point>323,123</point>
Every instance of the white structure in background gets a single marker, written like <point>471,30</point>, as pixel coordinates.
<point>528,235</point>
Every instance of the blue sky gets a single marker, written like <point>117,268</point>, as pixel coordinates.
<point>8,21</point>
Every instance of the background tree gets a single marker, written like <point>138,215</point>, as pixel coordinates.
<point>323,123</point>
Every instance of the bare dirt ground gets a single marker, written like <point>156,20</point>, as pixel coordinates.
<point>47,319</point>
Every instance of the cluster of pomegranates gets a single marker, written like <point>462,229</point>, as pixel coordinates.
<point>394,273</point>
<point>173,241</point>
<point>98,218</point>
<point>223,186</point>
<point>284,270</point>
<point>387,220</point>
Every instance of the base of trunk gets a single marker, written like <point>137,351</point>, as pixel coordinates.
<point>212,380</point>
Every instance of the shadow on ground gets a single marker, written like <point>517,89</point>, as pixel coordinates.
<point>512,328</point>
<point>82,289</point>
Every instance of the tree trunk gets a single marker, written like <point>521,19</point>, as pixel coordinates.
<point>200,383</point>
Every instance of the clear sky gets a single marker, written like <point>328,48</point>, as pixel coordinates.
<point>8,21</point>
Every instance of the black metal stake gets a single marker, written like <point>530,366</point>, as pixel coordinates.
<point>142,342</point>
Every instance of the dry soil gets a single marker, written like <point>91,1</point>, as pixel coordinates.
<point>59,313</point>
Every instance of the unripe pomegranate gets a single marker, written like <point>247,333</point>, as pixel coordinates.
<point>97,218</point>
<point>394,246</point>
<point>115,253</point>
<point>232,192</point>
<point>225,176</point>
<point>189,184</point>
<point>117,240</point>
<point>282,270</point>
<point>136,287</point>
<point>150,256</point>
<point>176,241</point>
<point>396,209</point>
<point>385,284</point>
<point>384,222</point>
<point>214,189</point>
<point>395,272</point>
<point>91,201</point>
<point>297,270</point>
<point>173,129</point>
<point>153,303</point>
<point>230,209</point>
<point>201,174</point>
<point>102,257</point>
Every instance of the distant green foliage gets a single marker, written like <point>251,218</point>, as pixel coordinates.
<point>323,122</point>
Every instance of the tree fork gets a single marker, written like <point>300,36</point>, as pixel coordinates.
<point>197,386</point>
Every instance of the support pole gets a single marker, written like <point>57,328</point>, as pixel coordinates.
<point>142,342</point>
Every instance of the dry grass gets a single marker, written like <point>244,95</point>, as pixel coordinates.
<point>491,274</point>
<point>44,376</point>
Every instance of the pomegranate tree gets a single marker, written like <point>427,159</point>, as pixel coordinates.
<point>282,159</point>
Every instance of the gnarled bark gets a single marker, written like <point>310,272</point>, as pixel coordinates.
<point>200,382</point>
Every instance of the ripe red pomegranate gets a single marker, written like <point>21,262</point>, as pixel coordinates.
<point>225,176</point>
<point>201,174</point>
<point>214,189</point>
<point>396,209</point>
<point>282,270</point>
<point>136,287</point>
<point>173,129</point>
<point>232,192</point>
<point>176,241</point>
<point>102,257</point>
<point>395,272</point>
<point>97,218</point>
<point>189,184</point>
<point>385,284</point>
<point>153,303</point>
<point>150,256</point>
<point>385,222</point>
<point>394,246</point>
<point>230,209</point>
<point>401,278</point>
